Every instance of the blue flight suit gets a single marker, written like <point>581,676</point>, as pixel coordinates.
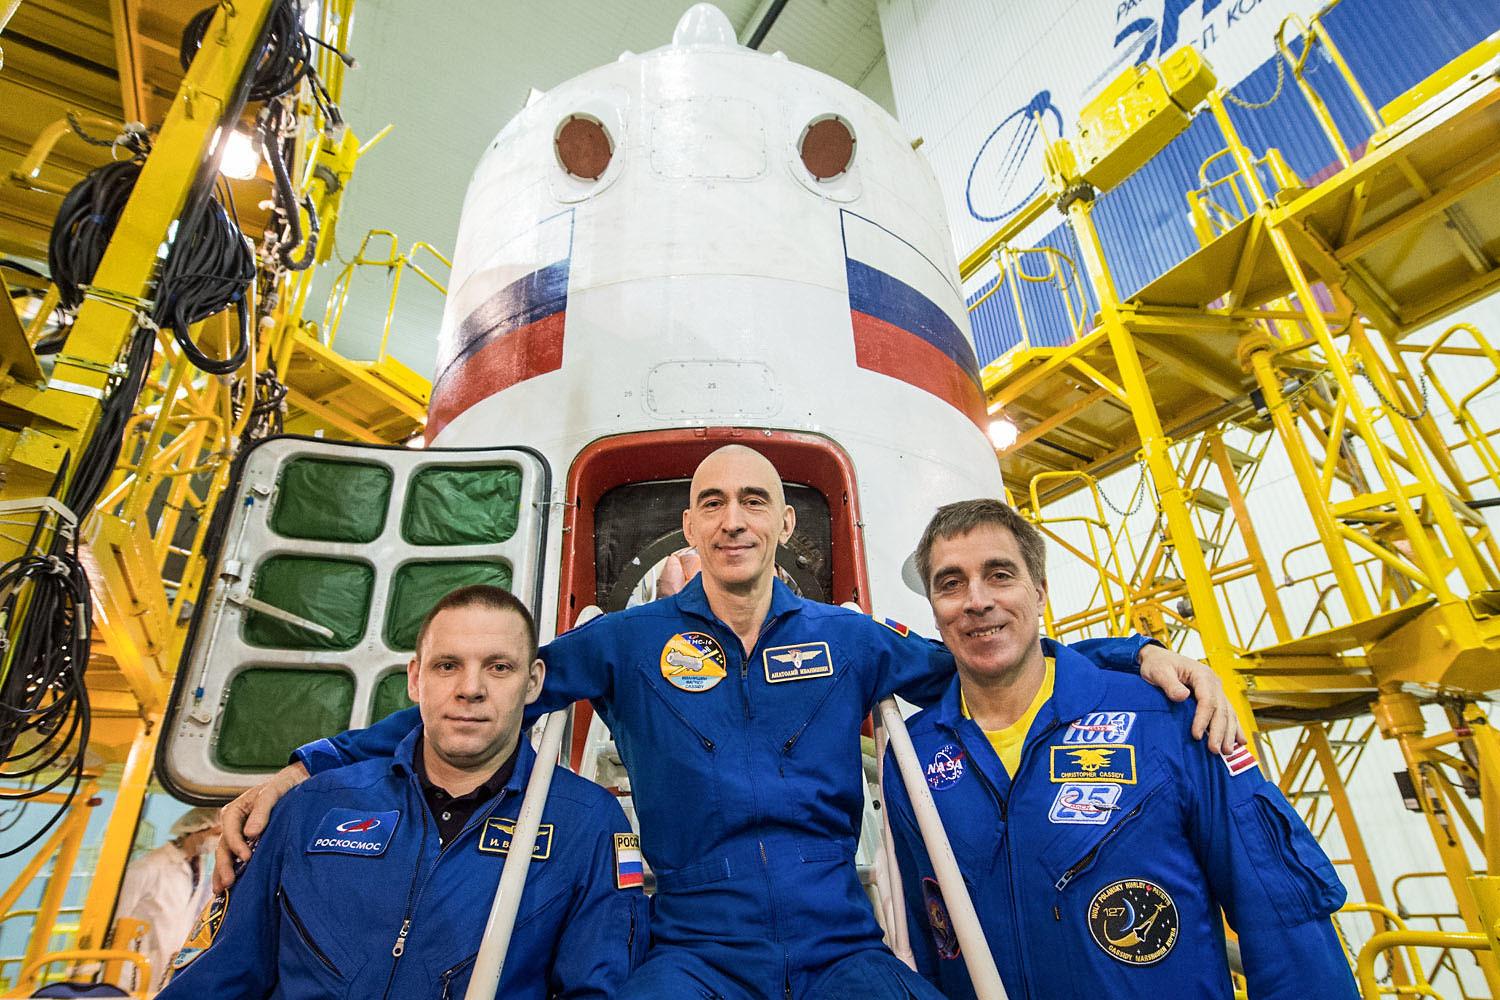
<point>746,776</point>
<point>1101,869</point>
<point>349,894</point>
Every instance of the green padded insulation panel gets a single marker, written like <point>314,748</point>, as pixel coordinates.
<point>418,586</point>
<point>334,593</point>
<point>390,696</point>
<point>331,501</point>
<point>272,711</point>
<point>462,505</point>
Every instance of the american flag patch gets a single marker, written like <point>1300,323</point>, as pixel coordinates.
<point>895,626</point>
<point>1238,760</point>
<point>628,871</point>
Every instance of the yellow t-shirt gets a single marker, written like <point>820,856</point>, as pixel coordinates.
<point>1009,741</point>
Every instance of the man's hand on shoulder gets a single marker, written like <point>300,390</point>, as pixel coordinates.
<point>1179,676</point>
<point>245,819</point>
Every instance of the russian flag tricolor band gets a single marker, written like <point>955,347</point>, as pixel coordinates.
<point>514,333</point>
<point>907,317</point>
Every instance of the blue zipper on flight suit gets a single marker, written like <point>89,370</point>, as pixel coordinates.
<point>414,894</point>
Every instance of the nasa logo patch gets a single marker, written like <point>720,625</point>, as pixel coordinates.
<point>946,767</point>
<point>1104,763</point>
<point>354,831</point>
<point>943,934</point>
<point>693,661</point>
<point>1134,921</point>
<point>797,663</point>
<point>495,838</point>
<point>1084,805</point>
<point>204,931</point>
<point>1100,727</point>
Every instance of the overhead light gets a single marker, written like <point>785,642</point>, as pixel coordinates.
<point>1003,434</point>
<point>240,160</point>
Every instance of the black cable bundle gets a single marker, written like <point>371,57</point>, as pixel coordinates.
<point>45,697</point>
<point>84,226</point>
<point>209,268</point>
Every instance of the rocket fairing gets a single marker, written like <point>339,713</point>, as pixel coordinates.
<point>707,236</point>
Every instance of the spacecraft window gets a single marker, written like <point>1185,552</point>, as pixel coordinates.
<point>827,147</point>
<point>583,146</point>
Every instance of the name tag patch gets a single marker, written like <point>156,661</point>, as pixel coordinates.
<point>354,831</point>
<point>495,838</point>
<point>1103,763</point>
<point>797,663</point>
<point>629,871</point>
<point>1084,805</point>
<point>1100,727</point>
<point>693,661</point>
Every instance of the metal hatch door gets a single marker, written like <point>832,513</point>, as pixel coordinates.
<point>328,559</point>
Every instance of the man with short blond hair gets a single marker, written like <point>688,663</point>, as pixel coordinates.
<point>1098,838</point>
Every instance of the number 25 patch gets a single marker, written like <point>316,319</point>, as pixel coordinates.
<point>1088,805</point>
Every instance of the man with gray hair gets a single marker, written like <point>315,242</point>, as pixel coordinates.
<point>1086,819</point>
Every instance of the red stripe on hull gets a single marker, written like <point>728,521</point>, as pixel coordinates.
<point>514,357</point>
<point>885,348</point>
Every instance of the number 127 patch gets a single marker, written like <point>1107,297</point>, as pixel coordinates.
<point>1087,804</point>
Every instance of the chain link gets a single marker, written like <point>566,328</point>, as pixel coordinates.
<point>1390,404</point>
<point>1140,495</point>
<point>1258,105</point>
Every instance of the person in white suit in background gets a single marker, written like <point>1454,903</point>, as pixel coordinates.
<point>165,889</point>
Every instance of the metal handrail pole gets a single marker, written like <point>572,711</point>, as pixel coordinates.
<point>972,945</point>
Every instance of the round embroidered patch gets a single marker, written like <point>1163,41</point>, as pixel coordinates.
<point>1134,921</point>
<point>943,934</point>
<point>946,766</point>
<point>693,661</point>
<point>203,933</point>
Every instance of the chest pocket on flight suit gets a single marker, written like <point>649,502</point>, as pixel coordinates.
<point>451,973</point>
<point>1079,848</point>
<point>309,958</point>
<point>678,756</point>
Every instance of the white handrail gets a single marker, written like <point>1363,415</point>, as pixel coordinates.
<point>484,981</point>
<point>892,896</point>
<point>971,943</point>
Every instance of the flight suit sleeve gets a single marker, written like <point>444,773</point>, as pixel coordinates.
<point>911,859</point>
<point>606,935</point>
<point>919,669</point>
<point>355,745</point>
<point>1266,870</point>
<point>579,667</point>
<point>231,953</point>
<point>1122,655</point>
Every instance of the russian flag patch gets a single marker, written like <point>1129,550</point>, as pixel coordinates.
<point>629,874</point>
<point>1238,760</point>
<point>895,626</point>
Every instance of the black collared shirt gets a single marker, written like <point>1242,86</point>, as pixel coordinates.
<point>450,812</point>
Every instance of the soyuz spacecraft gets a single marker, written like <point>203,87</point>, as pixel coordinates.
<point>688,247</point>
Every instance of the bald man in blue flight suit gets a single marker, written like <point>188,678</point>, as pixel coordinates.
<point>735,706</point>
<point>375,880</point>
<point>1098,839</point>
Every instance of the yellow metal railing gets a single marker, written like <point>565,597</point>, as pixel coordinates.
<point>395,264</point>
<point>1059,272</point>
<point>1314,36</point>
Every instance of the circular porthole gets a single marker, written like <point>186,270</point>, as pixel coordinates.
<point>583,147</point>
<point>827,147</point>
